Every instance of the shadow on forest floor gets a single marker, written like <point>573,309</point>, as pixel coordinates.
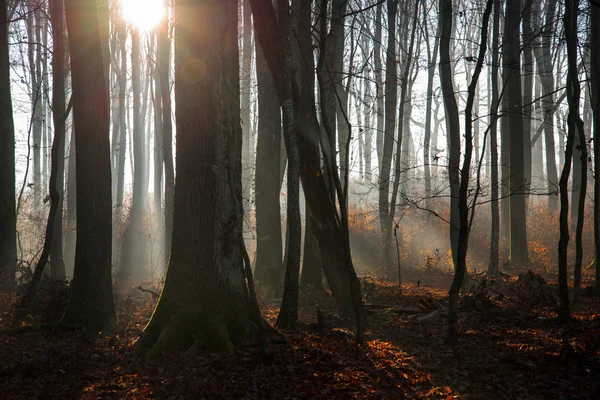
<point>504,352</point>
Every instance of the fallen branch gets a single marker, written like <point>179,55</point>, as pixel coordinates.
<point>152,292</point>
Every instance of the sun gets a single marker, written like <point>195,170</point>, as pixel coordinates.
<point>143,14</point>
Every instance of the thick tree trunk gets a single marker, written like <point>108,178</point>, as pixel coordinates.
<point>517,181</point>
<point>164,54</point>
<point>8,227</point>
<point>311,262</point>
<point>91,303</point>
<point>204,304</point>
<point>595,87</point>
<point>246,88</point>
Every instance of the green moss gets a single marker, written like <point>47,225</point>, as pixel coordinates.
<point>199,331</point>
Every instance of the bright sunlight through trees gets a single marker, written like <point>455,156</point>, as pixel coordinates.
<point>144,14</point>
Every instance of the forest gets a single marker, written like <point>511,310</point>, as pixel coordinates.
<point>299,199</point>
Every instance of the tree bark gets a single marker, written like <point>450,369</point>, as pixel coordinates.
<point>379,103</point>
<point>57,9</point>
<point>327,225</point>
<point>460,269</point>
<point>133,254</point>
<point>268,267</point>
<point>8,227</point>
<point>431,62</point>
<point>595,88</point>
<point>517,181</point>
<point>391,101</point>
<point>91,302</point>
<point>164,54</point>
<point>205,304</point>
<point>452,120</point>
<point>493,266</point>
<point>288,312</point>
<point>576,129</point>
<point>543,53</point>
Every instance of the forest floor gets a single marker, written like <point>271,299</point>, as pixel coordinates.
<point>510,348</point>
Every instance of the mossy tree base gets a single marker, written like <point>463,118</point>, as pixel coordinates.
<point>193,330</point>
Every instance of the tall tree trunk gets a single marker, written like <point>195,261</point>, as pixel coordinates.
<point>91,303</point>
<point>576,129</point>
<point>464,192</point>
<point>493,266</point>
<point>8,227</point>
<point>564,310</point>
<point>132,258</point>
<point>246,88</point>
<point>268,267</point>
<point>528,74</point>
<point>311,261</point>
<point>403,121</point>
<point>517,183</point>
<point>543,53</point>
<point>71,235</point>
<point>122,145</point>
<point>431,63</point>
<point>379,103</point>
<point>391,100</point>
<point>205,303</point>
<point>288,313</point>
<point>164,54</point>
<point>368,130</point>
<point>452,120</point>
<point>595,88</point>
<point>58,115</point>
<point>328,226</point>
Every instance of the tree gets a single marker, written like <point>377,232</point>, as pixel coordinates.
<point>431,62</point>
<point>164,54</point>
<point>452,119</point>
<point>91,302</point>
<point>514,119</point>
<point>466,219</point>
<point>493,267</point>
<point>268,267</point>
<point>391,99</point>
<point>544,56</point>
<point>8,216</point>
<point>133,248</point>
<point>329,227</point>
<point>57,10</point>
<point>288,313</point>
<point>205,302</point>
<point>570,25</point>
<point>595,88</point>
<point>576,129</point>
<point>379,104</point>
